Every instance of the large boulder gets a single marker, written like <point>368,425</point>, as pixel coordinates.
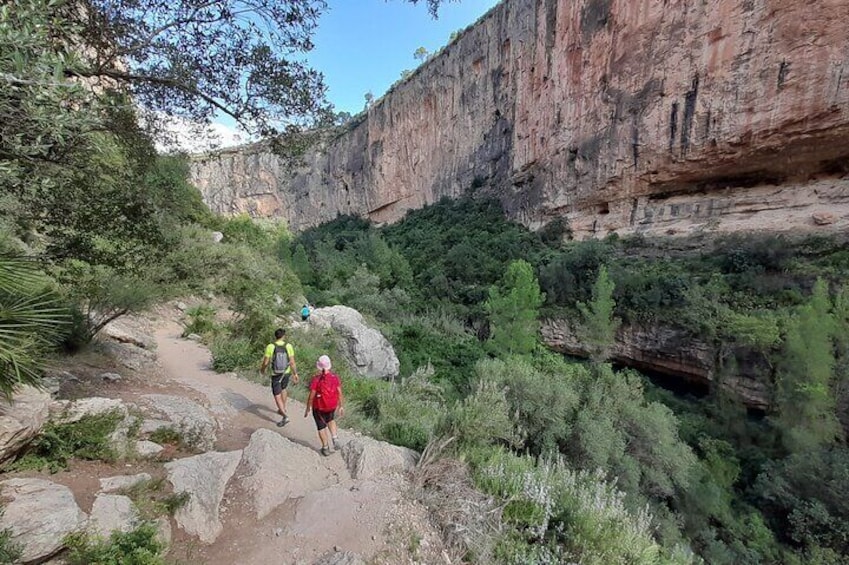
<point>273,471</point>
<point>204,477</point>
<point>39,514</point>
<point>194,422</point>
<point>112,512</point>
<point>367,457</point>
<point>21,420</point>
<point>367,350</point>
<point>129,355</point>
<point>132,330</point>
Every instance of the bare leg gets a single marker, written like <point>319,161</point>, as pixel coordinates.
<point>331,425</point>
<point>284,396</point>
<point>280,401</point>
<point>322,436</point>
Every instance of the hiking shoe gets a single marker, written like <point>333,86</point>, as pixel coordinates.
<point>325,451</point>
<point>336,443</point>
<point>283,422</point>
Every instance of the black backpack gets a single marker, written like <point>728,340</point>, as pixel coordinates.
<point>280,359</point>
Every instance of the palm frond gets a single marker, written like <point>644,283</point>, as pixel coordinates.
<point>19,274</point>
<point>30,321</point>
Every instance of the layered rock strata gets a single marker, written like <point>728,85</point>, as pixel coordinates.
<point>674,352</point>
<point>620,115</point>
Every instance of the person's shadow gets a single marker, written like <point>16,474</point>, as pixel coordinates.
<point>241,402</point>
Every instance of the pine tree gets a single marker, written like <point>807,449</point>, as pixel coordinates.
<point>806,404</point>
<point>598,325</point>
<point>513,309</point>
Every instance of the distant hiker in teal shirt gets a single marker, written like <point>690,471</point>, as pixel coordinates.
<point>305,313</point>
<point>281,356</point>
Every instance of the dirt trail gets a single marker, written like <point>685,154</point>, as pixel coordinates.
<point>372,519</point>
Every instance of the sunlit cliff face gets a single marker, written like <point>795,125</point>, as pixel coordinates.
<point>620,116</point>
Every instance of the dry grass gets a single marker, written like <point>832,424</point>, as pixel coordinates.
<point>468,519</point>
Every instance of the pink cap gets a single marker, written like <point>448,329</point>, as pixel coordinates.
<point>323,362</point>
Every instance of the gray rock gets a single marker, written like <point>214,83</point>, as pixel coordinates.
<point>39,514</point>
<point>217,236</point>
<point>368,351</point>
<point>130,330</point>
<point>272,471</point>
<point>337,557</point>
<point>150,426</point>
<point>120,439</point>
<point>823,218</point>
<point>111,377</point>
<point>122,482</point>
<point>204,477</point>
<point>195,424</point>
<point>367,457</point>
<point>148,449</point>
<point>128,355</point>
<point>181,306</point>
<point>194,337</point>
<point>52,381</point>
<point>163,528</point>
<point>70,411</point>
<point>111,512</point>
<point>22,419</point>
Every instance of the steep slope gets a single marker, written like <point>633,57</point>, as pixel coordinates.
<point>620,115</point>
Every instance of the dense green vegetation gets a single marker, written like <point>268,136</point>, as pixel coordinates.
<point>140,546</point>
<point>708,477</point>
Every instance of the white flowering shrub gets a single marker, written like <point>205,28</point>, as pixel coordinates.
<point>559,515</point>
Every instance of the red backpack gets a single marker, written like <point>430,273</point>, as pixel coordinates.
<point>326,392</point>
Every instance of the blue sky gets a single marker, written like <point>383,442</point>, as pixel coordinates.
<point>363,45</point>
<point>360,46</point>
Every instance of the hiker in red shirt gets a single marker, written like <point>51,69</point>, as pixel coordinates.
<point>325,398</point>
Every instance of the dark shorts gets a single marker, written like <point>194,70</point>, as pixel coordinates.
<point>305,318</point>
<point>322,418</point>
<point>279,383</point>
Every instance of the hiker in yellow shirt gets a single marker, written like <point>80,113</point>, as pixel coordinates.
<point>280,355</point>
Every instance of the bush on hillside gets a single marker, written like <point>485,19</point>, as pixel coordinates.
<point>87,438</point>
<point>140,546</point>
<point>809,512</point>
<point>562,515</point>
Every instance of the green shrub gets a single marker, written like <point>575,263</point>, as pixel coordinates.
<point>480,419</point>
<point>10,552</point>
<point>408,413</point>
<point>806,497</point>
<point>232,353</point>
<point>562,515</point>
<point>102,294</point>
<point>543,403</point>
<point>167,435</point>
<point>152,500</point>
<point>201,321</point>
<point>242,229</point>
<point>87,438</point>
<point>140,546</point>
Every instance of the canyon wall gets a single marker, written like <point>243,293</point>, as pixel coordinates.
<point>656,116</point>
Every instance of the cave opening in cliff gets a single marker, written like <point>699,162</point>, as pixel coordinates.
<point>680,385</point>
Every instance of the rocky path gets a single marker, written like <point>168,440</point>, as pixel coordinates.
<point>299,507</point>
<point>258,494</point>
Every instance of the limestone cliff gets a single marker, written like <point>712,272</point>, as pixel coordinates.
<point>671,351</point>
<point>621,115</point>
